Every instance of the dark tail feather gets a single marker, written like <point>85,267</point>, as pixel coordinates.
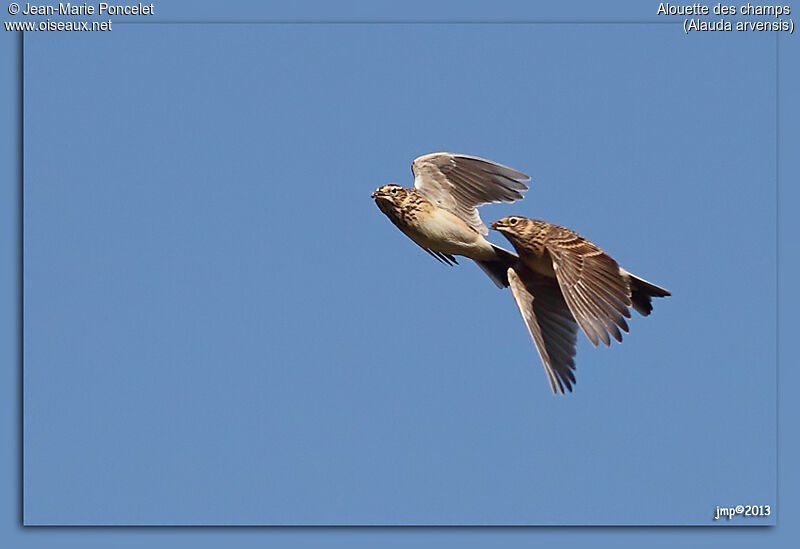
<point>642,293</point>
<point>498,269</point>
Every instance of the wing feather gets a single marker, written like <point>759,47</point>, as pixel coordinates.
<point>460,183</point>
<point>550,324</point>
<point>594,288</point>
<point>447,259</point>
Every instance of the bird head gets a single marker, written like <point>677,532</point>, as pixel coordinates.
<point>512,226</point>
<point>523,233</point>
<point>389,193</point>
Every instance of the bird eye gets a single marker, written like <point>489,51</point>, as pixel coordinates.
<point>394,190</point>
<point>512,221</point>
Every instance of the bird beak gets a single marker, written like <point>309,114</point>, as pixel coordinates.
<point>498,225</point>
<point>375,194</point>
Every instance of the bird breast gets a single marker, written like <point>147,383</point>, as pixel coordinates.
<point>446,232</point>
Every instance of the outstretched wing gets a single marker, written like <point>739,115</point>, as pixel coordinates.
<point>596,291</point>
<point>460,183</point>
<point>550,323</point>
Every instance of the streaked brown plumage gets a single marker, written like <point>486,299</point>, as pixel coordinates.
<point>440,213</point>
<point>564,281</point>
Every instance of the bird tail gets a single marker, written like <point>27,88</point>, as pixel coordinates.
<point>642,293</point>
<point>497,269</point>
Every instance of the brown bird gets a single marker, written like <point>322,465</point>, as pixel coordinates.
<point>440,213</point>
<point>564,281</point>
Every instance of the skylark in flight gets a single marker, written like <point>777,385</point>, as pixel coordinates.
<point>440,213</point>
<point>563,281</point>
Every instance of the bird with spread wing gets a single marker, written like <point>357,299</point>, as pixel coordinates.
<point>563,281</point>
<point>440,213</point>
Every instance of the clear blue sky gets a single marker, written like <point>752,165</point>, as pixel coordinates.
<point>214,306</point>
